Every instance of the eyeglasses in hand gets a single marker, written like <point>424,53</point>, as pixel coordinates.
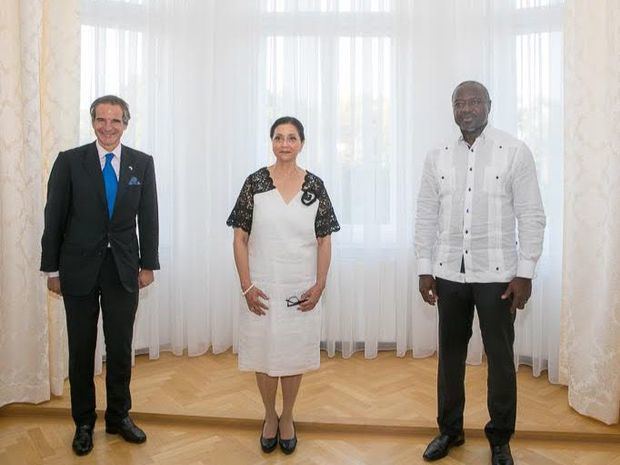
<point>294,300</point>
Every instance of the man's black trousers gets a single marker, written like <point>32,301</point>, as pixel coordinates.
<point>118,308</point>
<point>456,311</point>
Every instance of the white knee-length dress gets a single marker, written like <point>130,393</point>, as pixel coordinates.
<point>283,260</point>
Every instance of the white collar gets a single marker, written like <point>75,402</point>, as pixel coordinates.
<point>102,152</point>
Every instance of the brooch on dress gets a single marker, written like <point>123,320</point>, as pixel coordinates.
<point>308,198</point>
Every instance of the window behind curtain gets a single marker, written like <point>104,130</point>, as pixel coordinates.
<point>371,81</point>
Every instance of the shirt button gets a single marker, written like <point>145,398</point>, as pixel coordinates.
<point>497,268</point>
<point>440,264</point>
<point>466,231</point>
<point>467,211</point>
<point>470,169</point>
<point>469,189</point>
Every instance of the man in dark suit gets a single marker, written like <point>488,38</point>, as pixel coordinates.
<point>95,260</point>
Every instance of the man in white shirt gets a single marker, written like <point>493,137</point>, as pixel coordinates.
<point>475,193</point>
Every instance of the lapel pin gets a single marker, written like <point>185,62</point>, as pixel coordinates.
<point>130,168</point>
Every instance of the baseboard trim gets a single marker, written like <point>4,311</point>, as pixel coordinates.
<point>331,425</point>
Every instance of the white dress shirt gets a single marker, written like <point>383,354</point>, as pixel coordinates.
<point>116,160</point>
<point>116,165</point>
<point>470,203</point>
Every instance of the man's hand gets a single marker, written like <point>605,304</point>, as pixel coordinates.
<point>145,277</point>
<point>520,290</point>
<point>428,288</point>
<point>53,284</point>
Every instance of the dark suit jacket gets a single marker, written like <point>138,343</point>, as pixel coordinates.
<point>77,226</point>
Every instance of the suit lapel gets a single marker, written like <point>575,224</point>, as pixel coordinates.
<point>92,165</point>
<point>127,169</point>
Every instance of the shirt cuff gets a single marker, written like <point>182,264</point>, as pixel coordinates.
<point>526,268</point>
<point>51,274</point>
<point>425,266</point>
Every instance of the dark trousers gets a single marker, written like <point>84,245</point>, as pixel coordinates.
<point>456,312</point>
<point>118,308</point>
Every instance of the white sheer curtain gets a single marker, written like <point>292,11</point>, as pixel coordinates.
<point>371,80</point>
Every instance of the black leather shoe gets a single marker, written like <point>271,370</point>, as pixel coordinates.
<point>439,447</point>
<point>268,444</point>
<point>83,440</point>
<point>288,445</point>
<point>127,429</point>
<point>501,455</point>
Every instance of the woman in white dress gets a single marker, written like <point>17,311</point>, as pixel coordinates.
<point>283,220</point>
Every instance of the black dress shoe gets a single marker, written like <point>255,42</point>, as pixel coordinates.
<point>288,445</point>
<point>501,455</point>
<point>439,447</point>
<point>268,444</point>
<point>83,439</point>
<point>127,429</point>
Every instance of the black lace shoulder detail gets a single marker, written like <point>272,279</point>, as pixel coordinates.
<point>313,189</point>
<point>256,183</point>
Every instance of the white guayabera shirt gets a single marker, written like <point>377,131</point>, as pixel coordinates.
<point>470,202</point>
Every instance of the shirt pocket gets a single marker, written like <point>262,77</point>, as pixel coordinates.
<point>494,181</point>
<point>445,180</point>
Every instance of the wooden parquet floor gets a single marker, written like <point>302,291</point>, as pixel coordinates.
<point>202,410</point>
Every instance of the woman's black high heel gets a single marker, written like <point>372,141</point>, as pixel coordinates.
<point>288,445</point>
<point>268,444</point>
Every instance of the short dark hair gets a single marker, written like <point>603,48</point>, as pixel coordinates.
<point>473,83</point>
<point>112,100</point>
<point>288,120</point>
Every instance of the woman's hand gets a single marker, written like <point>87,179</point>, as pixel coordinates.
<point>311,297</point>
<point>255,299</point>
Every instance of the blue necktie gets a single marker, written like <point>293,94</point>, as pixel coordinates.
<point>110,182</point>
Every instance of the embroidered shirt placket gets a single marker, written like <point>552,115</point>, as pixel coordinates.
<point>467,213</point>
